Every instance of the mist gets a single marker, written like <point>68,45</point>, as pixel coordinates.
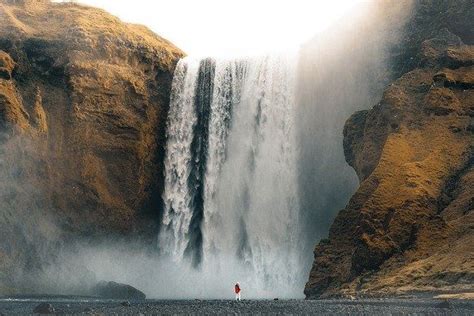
<point>78,270</point>
<point>341,71</point>
<point>29,232</point>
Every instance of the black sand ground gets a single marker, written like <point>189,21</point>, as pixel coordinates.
<point>222,307</point>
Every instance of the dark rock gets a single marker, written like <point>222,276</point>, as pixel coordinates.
<point>433,51</point>
<point>353,136</point>
<point>455,129</point>
<point>460,78</point>
<point>44,308</point>
<point>88,310</point>
<point>430,18</point>
<point>116,290</point>
<point>126,304</point>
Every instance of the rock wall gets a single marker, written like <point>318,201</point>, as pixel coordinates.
<point>410,225</point>
<point>83,102</point>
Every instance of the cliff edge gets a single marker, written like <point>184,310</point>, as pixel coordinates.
<point>410,226</point>
<point>83,103</point>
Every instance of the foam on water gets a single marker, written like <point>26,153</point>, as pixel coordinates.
<point>230,193</point>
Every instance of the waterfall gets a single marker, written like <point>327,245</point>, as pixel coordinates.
<point>230,171</point>
<point>177,197</point>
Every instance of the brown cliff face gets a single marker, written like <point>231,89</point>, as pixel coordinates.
<point>410,225</point>
<point>83,102</point>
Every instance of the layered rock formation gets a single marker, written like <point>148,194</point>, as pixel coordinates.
<point>410,225</point>
<point>83,102</point>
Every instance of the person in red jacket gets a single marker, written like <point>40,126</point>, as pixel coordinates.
<point>237,290</point>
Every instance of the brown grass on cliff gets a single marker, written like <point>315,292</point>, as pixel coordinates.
<point>89,95</point>
<point>410,225</point>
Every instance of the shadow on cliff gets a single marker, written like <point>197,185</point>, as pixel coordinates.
<point>342,70</point>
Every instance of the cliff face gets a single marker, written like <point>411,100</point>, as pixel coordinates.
<point>83,102</point>
<point>410,225</point>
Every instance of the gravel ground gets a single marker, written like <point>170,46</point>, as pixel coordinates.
<point>173,307</point>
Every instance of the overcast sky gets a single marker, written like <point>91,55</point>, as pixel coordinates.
<point>230,27</point>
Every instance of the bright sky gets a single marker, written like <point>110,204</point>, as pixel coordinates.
<point>231,27</point>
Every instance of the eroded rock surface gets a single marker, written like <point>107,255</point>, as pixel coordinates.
<point>83,103</point>
<point>410,225</point>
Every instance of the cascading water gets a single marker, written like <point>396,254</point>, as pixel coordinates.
<point>252,181</point>
<point>230,172</point>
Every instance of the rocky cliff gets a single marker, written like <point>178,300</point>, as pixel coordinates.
<point>410,225</point>
<point>83,102</point>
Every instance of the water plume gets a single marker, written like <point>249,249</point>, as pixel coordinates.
<point>230,182</point>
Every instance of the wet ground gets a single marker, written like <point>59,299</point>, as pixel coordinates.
<point>75,306</point>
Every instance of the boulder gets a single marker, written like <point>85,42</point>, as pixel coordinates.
<point>114,290</point>
<point>44,308</point>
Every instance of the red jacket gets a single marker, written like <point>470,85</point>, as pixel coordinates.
<point>237,289</point>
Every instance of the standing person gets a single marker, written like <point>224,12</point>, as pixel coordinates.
<point>237,291</point>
